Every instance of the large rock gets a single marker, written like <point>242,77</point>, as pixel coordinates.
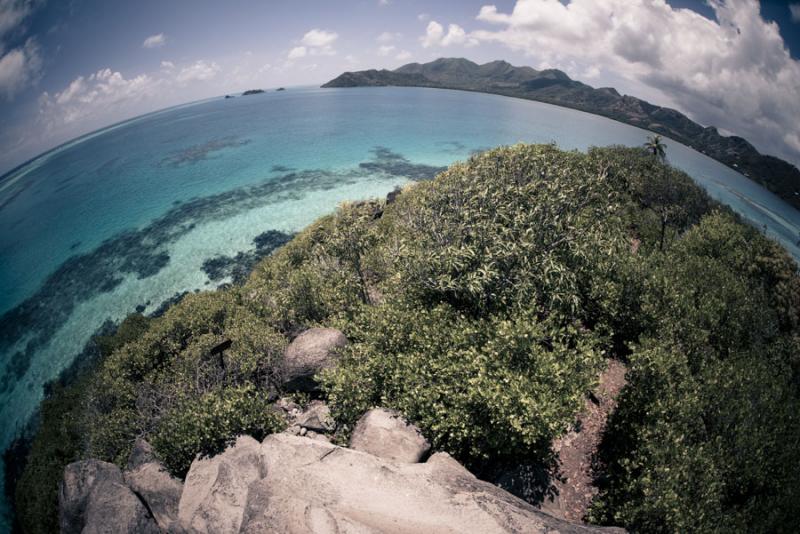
<point>312,486</point>
<point>114,509</point>
<point>215,490</point>
<point>384,433</point>
<point>317,418</point>
<point>80,478</point>
<point>160,491</point>
<point>142,453</point>
<point>309,353</point>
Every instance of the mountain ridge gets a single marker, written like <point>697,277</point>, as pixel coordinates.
<point>553,86</point>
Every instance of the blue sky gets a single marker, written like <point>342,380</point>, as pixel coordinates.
<point>68,67</point>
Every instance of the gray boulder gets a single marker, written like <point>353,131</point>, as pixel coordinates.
<point>160,491</point>
<point>141,454</point>
<point>80,478</point>
<point>313,486</point>
<point>309,353</point>
<point>215,490</point>
<point>386,434</point>
<point>114,509</point>
<point>317,418</point>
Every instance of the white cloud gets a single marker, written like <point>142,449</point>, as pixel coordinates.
<point>455,35</point>
<point>388,37</point>
<point>734,72</point>
<point>155,41</point>
<point>423,17</point>
<point>319,38</point>
<point>198,71</point>
<point>315,42</point>
<point>794,9</point>
<point>384,2</point>
<point>168,65</point>
<point>19,68</point>
<point>13,13</point>
<point>85,97</point>
<point>385,50</point>
<point>297,52</point>
<point>403,55</point>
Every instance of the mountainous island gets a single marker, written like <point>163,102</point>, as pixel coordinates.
<point>555,87</point>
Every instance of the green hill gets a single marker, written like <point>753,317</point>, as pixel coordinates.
<point>482,305</point>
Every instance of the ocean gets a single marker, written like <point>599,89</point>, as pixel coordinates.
<point>125,218</point>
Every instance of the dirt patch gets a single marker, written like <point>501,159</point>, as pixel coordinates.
<point>576,448</point>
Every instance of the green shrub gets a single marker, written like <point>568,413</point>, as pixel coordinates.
<point>479,389</point>
<point>208,424</point>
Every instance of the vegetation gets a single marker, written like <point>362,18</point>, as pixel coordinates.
<point>656,146</point>
<point>482,305</point>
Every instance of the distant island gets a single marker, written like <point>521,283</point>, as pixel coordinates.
<point>553,86</point>
<point>280,89</point>
<point>252,92</point>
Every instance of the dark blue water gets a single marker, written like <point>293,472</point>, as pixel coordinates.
<point>126,217</point>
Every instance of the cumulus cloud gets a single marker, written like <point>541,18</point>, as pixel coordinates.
<point>19,68</point>
<point>13,13</point>
<point>385,50</point>
<point>319,38</point>
<point>198,71</point>
<point>315,42</point>
<point>297,52</point>
<point>20,65</point>
<point>403,55</point>
<point>88,96</point>
<point>734,72</point>
<point>436,36</point>
<point>388,37</point>
<point>168,65</point>
<point>155,41</point>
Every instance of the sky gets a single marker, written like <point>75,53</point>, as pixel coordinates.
<point>69,67</point>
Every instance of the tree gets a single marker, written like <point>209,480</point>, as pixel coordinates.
<point>655,145</point>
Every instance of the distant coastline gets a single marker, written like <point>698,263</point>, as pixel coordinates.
<point>553,86</point>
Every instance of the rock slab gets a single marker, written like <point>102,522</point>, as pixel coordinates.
<point>386,434</point>
<point>309,353</point>
<point>93,499</point>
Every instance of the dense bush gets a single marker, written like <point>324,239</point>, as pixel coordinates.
<point>210,423</point>
<point>481,305</point>
<point>704,438</point>
<point>480,389</point>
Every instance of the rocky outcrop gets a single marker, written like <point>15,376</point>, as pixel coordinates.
<point>317,418</point>
<point>385,434</point>
<point>215,491</point>
<point>313,486</point>
<point>158,490</point>
<point>114,509</point>
<point>295,484</point>
<point>93,498</point>
<point>309,353</point>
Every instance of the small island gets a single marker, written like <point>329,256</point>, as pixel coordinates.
<point>280,89</point>
<point>252,92</point>
<point>228,96</point>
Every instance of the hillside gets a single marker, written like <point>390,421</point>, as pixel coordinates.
<point>482,307</point>
<point>555,87</point>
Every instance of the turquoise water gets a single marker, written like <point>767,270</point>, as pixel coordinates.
<point>125,218</point>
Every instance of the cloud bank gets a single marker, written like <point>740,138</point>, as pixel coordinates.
<point>734,72</point>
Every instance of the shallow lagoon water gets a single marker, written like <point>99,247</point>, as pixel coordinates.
<point>126,217</point>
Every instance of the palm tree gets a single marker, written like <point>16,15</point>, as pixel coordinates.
<point>656,146</point>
